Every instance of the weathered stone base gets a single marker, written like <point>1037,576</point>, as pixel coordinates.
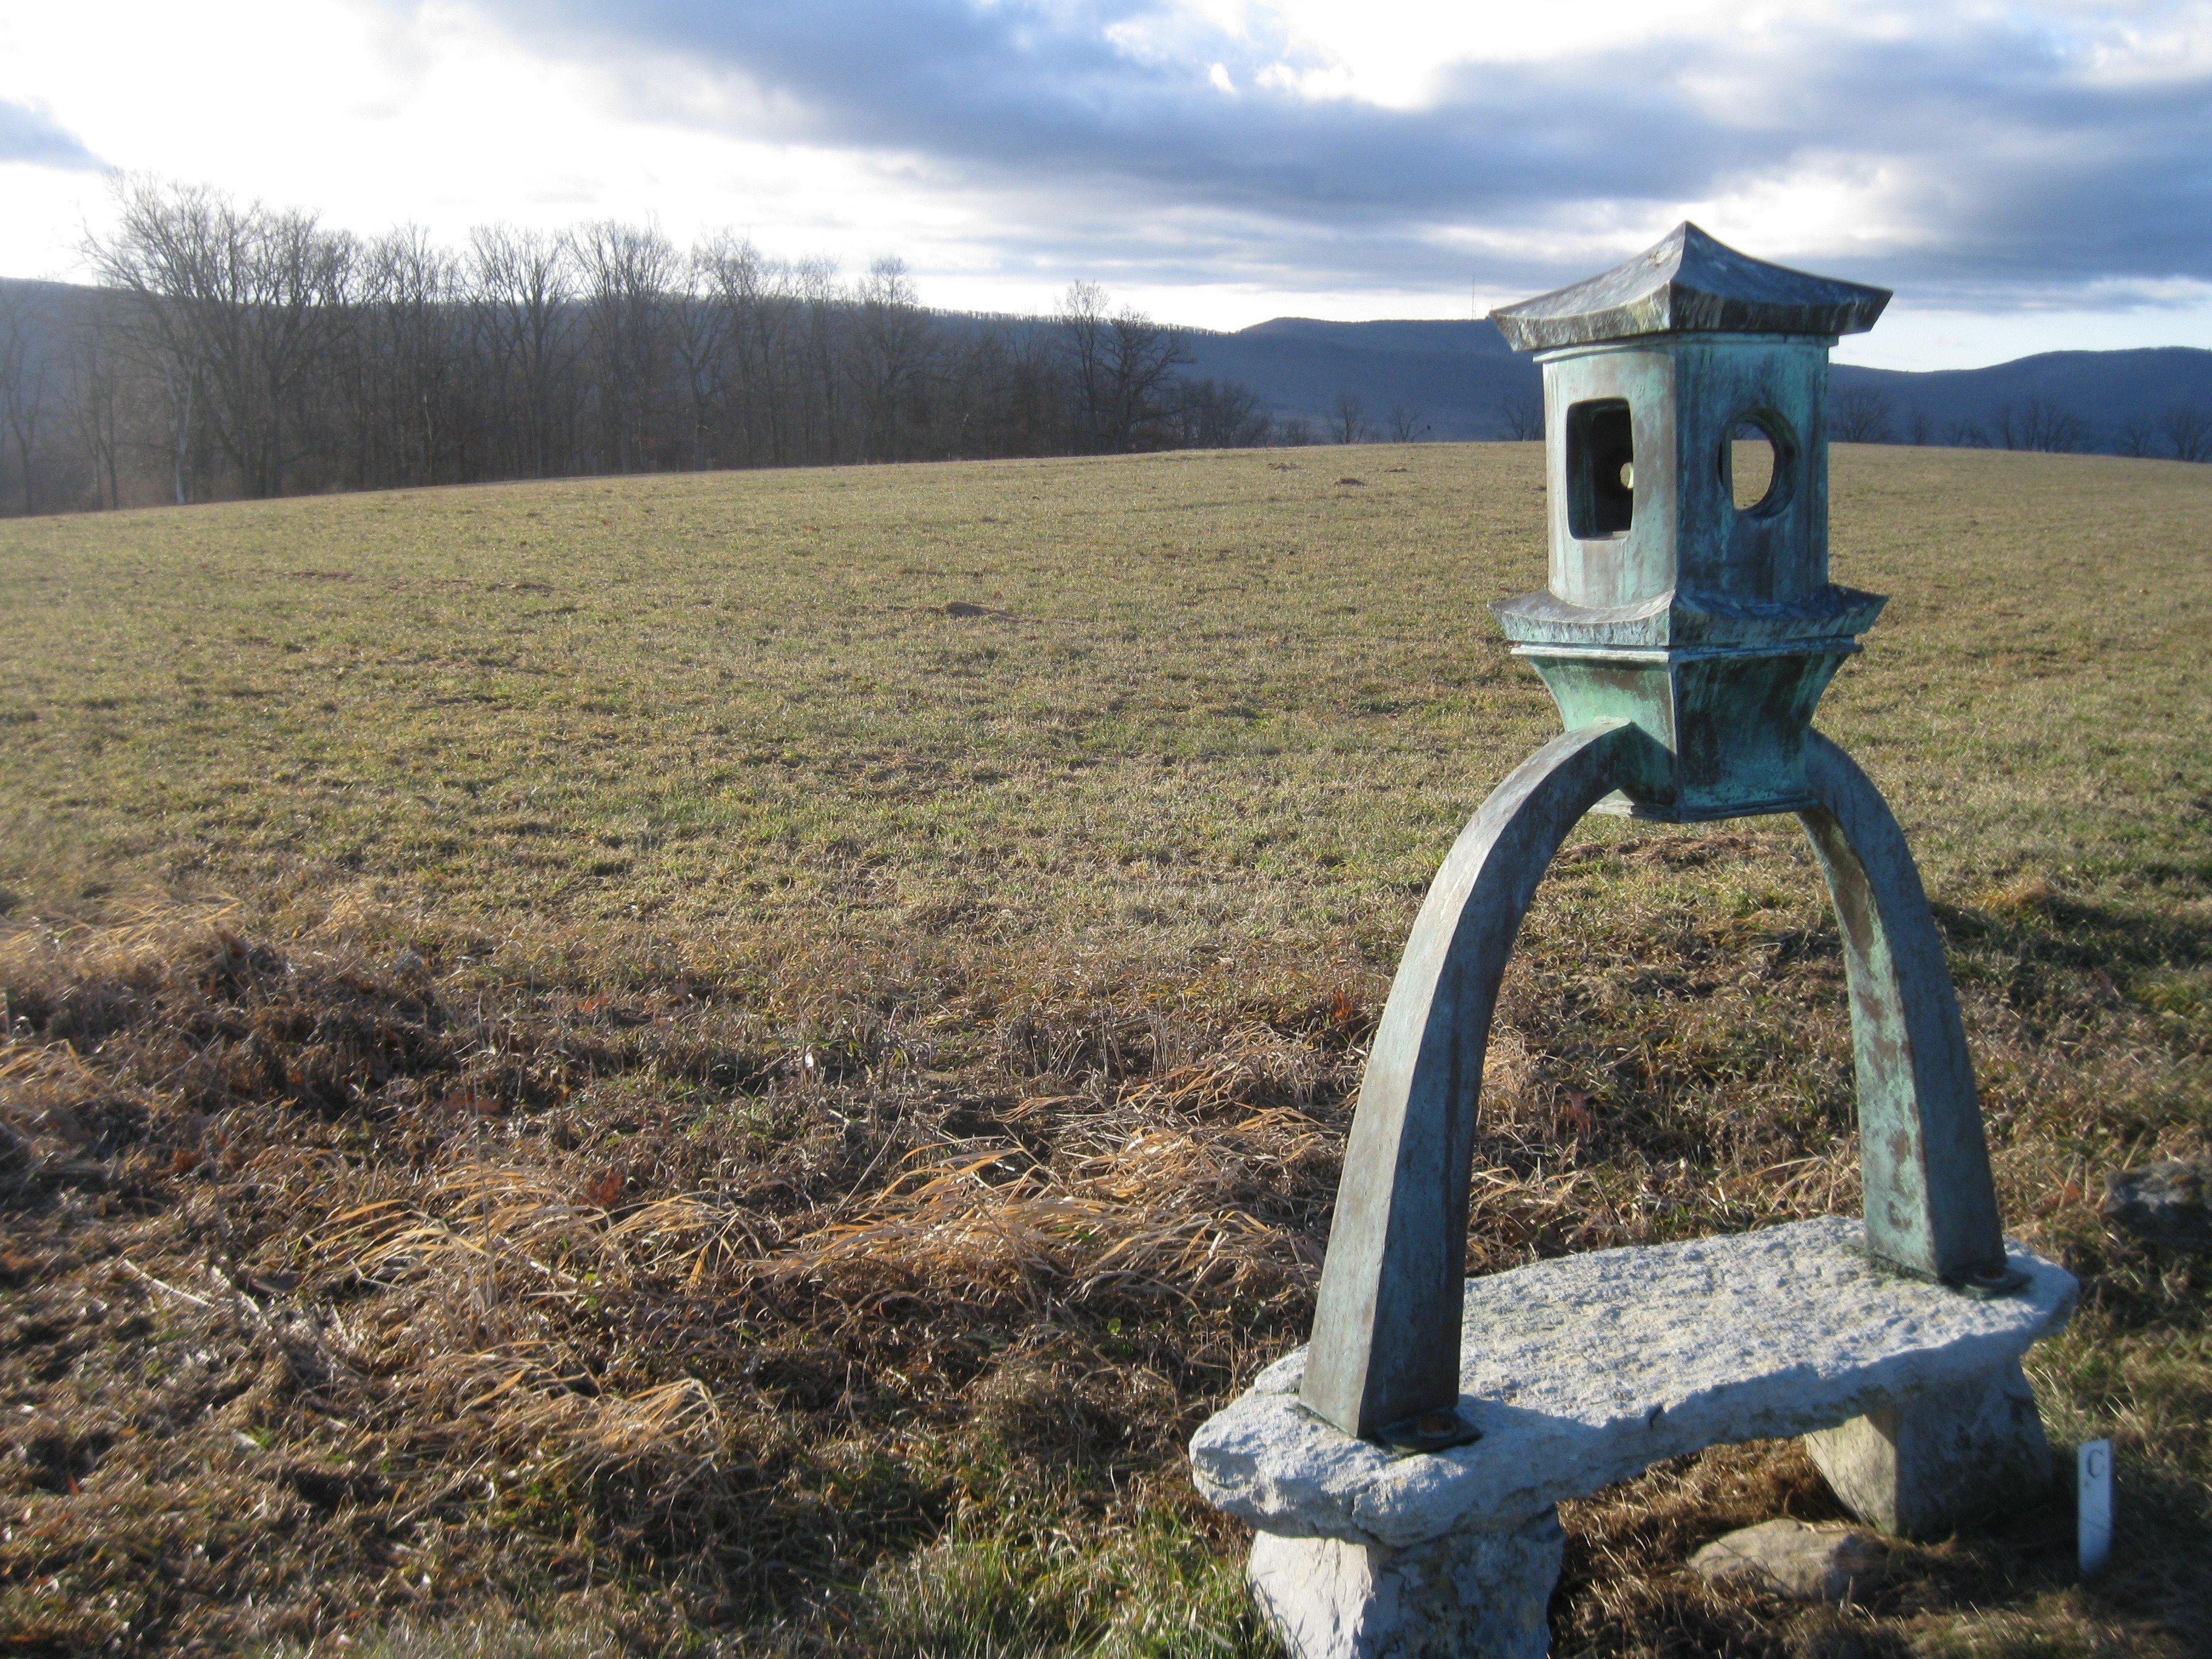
<point>1942,1457</point>
<point>1587,1370</point>
<point>1465,1595</point>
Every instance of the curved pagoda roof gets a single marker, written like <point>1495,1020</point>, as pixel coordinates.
<point>1689,284</point>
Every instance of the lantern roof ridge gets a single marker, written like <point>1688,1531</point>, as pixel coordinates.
<point>1690,283</point>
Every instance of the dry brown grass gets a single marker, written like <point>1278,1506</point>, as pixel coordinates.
<point>430,1309</point>
<point>796,1187</point>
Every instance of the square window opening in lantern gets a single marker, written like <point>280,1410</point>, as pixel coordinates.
<point>1600,469</point>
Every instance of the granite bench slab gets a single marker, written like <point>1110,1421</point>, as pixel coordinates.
<point>1587,1370</point>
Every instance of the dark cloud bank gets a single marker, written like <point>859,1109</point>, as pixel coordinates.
<point>2008,171</point>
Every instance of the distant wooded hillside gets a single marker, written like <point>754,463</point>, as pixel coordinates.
<point>1458,379</point>
<point>233,351</point>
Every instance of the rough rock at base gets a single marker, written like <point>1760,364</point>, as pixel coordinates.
<point>1465,1595</point>
<point>2169,1204</point>
<point>1790,1558</point>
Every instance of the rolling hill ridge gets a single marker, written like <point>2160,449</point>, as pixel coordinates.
<point>1458,379</point>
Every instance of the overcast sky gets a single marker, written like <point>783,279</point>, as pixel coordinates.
<point>2028,176</point>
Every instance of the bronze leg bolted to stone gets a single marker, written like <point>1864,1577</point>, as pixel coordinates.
<point>1386,1335</point>
<point>1930,1206</point>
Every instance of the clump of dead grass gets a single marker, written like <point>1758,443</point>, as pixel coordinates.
<point>355,1289</point>
<point>411,1271</point>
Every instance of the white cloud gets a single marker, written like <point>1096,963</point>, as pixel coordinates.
<point>435,120</point>
<point>454,111</point>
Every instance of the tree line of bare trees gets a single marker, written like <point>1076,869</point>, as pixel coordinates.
<point>231,350</point>
<point>2038,421</point>
<point>237,350</point>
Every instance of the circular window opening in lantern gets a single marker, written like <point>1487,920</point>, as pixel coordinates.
<point>1757,463</point>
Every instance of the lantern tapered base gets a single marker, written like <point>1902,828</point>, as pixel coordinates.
<point>1728,724</point>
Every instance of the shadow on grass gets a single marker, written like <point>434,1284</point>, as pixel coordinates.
<point>2042,936</point>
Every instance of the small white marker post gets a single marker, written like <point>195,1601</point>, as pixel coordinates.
<point>2092,1505</point>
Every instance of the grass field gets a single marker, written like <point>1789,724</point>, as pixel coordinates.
<point>737,1060</point>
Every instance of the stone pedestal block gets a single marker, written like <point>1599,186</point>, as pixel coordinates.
<point>1465,1595</point>
<point>1940,1457</point>
<point>1588,1370</point>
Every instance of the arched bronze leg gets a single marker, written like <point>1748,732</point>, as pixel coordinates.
<point>1386,1331</point>
<point>1930,1205</point>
